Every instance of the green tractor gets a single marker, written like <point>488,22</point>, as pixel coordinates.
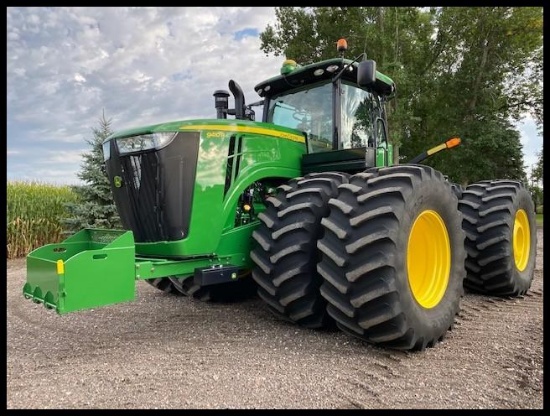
<point>306,208</point>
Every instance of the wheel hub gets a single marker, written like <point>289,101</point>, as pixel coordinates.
<point>428,259</point>
<point>521,240</point>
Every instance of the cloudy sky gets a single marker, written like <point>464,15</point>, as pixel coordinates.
<point>65,66</point>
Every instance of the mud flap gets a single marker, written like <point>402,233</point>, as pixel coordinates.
<point>92,268</point>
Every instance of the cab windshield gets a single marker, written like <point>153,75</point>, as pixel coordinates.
<point>308,110</point>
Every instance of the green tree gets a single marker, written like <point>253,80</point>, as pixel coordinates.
<point>537,172</point>
<point>537,193</point>
<point>95,208</point>
<point>481,155</point>
<point>488,75</point>
<point>537,181</point>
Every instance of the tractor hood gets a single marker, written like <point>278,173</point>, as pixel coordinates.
<point>227,125</point>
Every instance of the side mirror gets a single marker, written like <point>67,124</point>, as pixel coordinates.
<point>366,73</point>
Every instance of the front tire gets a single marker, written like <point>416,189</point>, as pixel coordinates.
<point>393,257</point>
<point>285,254</point>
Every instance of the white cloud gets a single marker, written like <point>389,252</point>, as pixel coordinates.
<point>63,156</point>
<point>79,78</point>
<point>65,65</point>
<point>531,142</point>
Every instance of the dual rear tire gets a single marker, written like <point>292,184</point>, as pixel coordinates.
<point>393,257</point>
<point>500,225</point>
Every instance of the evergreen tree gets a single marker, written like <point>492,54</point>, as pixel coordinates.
<point>95,208</point>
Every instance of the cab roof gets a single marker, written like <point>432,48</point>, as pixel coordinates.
<point>317,72</point>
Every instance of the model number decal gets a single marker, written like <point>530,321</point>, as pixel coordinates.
<point>215,135</point>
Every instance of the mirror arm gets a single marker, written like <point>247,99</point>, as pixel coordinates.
<point>339,74</point>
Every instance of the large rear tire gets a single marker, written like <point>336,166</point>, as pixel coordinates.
<point>393,257</point>
<point>285,253</point>
<point>500,225</point>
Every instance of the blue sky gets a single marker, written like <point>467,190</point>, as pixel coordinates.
<point>66,65</point>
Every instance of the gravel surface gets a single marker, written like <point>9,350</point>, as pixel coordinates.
<point>166,351</point>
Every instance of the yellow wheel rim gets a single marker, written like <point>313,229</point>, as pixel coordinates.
<point>428,259</point>
<point>521,240</point>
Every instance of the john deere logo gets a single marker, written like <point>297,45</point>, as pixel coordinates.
<point>117,180</point>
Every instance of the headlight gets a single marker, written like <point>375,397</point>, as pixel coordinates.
<point>106,151</point>
<point>144,142</point>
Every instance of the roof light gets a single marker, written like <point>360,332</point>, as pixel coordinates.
<point>318,72</point>
<point>288,66</point>
<point>342,45</point>
<point>332,68</point>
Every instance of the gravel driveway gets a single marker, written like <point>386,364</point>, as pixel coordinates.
<point>165,351</point>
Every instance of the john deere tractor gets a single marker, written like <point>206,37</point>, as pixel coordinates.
<point>305,207</point>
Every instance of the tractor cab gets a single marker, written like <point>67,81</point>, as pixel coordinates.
<point>339,106</point>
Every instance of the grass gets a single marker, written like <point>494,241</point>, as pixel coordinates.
<point>539,219</point>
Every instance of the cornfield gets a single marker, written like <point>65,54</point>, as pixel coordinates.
<point>34,213</point>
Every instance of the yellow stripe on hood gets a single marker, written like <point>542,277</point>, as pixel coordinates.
<point>247,129</point>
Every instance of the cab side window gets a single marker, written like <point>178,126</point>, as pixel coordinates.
<point>359,111</point>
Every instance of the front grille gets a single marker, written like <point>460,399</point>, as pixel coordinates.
<point>156,195</point>
<point>143,210</point>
